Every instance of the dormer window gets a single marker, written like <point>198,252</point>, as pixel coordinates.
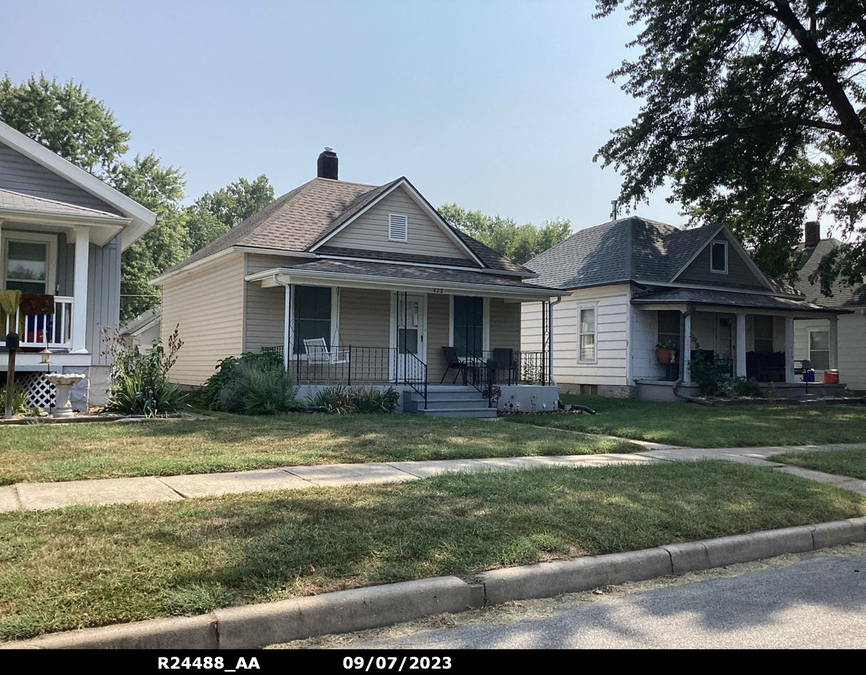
<point>719,257</point>
<point>398,227</point>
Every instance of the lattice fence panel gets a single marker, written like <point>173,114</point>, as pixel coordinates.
<point>40,391</point>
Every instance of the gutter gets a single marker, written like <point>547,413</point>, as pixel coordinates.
<point>550,306</point>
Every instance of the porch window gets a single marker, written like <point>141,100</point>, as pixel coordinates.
<point>26,266</point>
<point>764,334</point>
<point>586,338</point>
<point>819,349</point>
<point>468,325</point>
<point>312,315</point>
<point>669,327</point>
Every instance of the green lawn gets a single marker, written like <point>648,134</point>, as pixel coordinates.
<point>91,566</point>
<point>58,452</point>
<point>710,427</point>
<point>840,462</point>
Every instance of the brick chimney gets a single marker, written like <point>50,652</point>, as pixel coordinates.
<point>813,233</point>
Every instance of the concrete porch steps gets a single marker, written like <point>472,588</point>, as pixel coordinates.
<point>452,400</point>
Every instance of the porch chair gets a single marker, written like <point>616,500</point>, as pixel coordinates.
<point>453,361</point>
<point>318,352</point>
<point>505,360</point>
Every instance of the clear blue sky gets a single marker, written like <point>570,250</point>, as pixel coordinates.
<point>497,106</point>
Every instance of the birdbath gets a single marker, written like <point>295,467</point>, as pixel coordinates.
<point>64,382</point>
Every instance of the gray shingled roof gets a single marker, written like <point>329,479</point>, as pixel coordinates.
<point>628,249</point>
<point>396,257</point>
<point>299,219</point>
<point>143,320</point>
<point>843,295</point>
<point>432,274</point>
<point>23,202</point>
<point>699,296</point>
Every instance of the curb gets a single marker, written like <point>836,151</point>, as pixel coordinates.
<point>252,626</point>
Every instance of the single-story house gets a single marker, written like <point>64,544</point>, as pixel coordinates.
<point>361,284</point>
<point>634,283</point>
<point>62,231</point>
<point>813,337</point>
<point>143,331</point>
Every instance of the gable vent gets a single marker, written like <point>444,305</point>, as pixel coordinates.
<point>398,227</point>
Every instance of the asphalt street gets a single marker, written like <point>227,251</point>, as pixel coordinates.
<point>817,601</point>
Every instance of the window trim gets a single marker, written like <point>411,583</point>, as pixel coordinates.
<point>719,242</point>
<point>30,238</point>
<point>335,321</point>
<point>809,332</point>
<point>594,307</point>
<point>405,217</point>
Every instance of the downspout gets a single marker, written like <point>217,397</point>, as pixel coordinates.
<point>287,327</point>
<point>685,343</point>
<point>550,306</point>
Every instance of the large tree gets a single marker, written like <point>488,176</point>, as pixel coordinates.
<point>754,111</point>
<point>215,213</point>
<point>518,242</point>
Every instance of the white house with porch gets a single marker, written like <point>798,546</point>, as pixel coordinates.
<point>634,284</point>
<point>62,231</point>
<point>362,285</point>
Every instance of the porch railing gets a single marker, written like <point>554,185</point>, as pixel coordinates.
<point>53,331</point>
<point>361,365</point>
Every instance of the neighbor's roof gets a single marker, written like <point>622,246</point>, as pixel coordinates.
<point>17,201</point>
<point>300,219</point>
<point>624,250</point>
<point>699,296</point>
<point>142,322</point>
<point>843,294</point>
<point>142,219</point>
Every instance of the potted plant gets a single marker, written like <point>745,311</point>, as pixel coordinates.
<point>666,351</point>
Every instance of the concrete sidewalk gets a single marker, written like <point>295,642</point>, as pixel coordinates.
<point>41,496</point>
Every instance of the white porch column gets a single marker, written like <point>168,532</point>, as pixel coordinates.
<point>741,345</point>
<point>789,349</point>
<point>79,290</point>
<point>834,342</point>
<point>287,326</point>
<point>686,356</point>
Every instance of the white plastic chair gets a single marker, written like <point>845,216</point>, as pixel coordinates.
<point>318,352</point>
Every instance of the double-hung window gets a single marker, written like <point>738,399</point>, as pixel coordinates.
<point>763,334</point>
<point>819,349</point>
<point>669,327</point>
<point>586,334</point>
<point>719,257</point>
<point>468,325</point>
<point>312,316</point>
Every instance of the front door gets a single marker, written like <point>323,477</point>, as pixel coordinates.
<point>410,334</point>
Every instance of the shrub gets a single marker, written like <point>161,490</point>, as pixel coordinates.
<point>336,399</point>
<point>255,387</point>
<point>225,368</point>
<point>138,381</point>
<point>371,401</point>
<point>19,400</point>
<point>710,375</point>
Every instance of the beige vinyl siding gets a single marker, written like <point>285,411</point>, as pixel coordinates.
<point>265,307</point>
<point>207,303</point>
<point>370,230</point>
<point>438,334</point>
<point>504,324</point>
<point>365,317</point>
<point>611,320</point>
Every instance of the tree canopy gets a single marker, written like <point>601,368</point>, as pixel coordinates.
<point>215,213</point>
<point>503,235</point>
<point>754,111</point>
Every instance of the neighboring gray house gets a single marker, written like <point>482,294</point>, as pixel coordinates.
<point>375,277</point>
<point>634,283</point>
<point>62,231</point>
<point>812,338</point>
<point>144,330</point>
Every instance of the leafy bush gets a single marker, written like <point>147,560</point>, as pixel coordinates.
<point>713,378</point>
<point>19,400</point>
<point>745,386</point>
<point>336,399</point>
<point>256,387</point>
<point>371,401</point>
<point>138,381</point>
<point>225,368</point>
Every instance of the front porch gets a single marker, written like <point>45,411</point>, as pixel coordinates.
<point>418,338</point>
